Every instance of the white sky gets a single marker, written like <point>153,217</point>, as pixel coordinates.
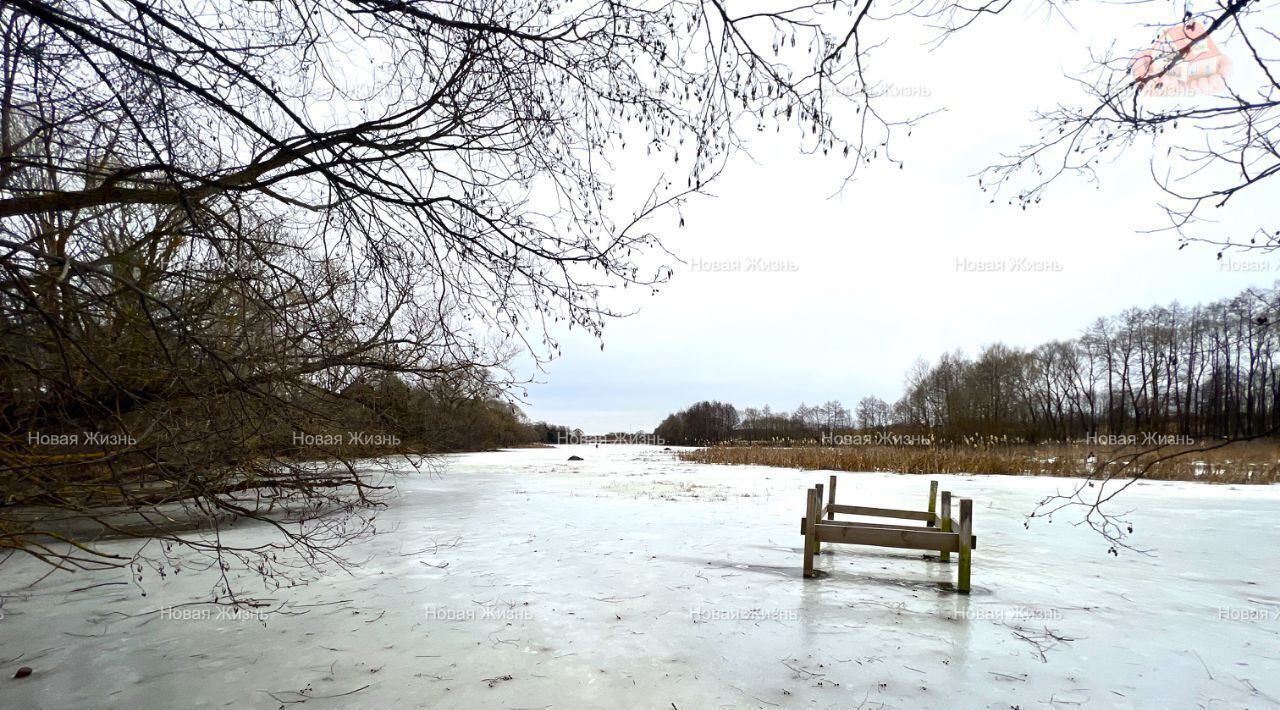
<point>875,282</point>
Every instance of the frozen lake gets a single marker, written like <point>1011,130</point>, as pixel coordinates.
<point>521,580</point>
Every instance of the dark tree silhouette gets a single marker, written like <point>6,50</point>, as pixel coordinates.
<point>223,226</point>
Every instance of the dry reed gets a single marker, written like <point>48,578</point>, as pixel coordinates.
<point>1241,463</point>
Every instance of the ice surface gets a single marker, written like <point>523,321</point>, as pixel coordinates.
<point>522,580</point>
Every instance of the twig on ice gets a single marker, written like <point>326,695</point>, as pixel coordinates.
<point>1009,677</point>
<point>1206,666</point>
<point>615,600</point>
<point>758,700</point>
<point>803,673</point>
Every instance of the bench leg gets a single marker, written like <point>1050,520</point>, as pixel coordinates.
<point>817,545</point>
<point>810,529</point>
<point>966,545</point>
<point>944,523</point>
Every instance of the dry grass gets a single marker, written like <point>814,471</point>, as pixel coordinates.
<point>1243,463</point>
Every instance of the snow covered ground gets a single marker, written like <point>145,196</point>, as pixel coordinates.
<point>521,580</point>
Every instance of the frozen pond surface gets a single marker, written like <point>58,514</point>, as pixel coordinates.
<point>521,580</point>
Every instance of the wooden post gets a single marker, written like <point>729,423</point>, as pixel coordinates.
<point>944,522</point>
<point>966,543</point>
<point>831,499</point>
<point>817,512</point>
<point>810,529</point>
<point>933,499</point>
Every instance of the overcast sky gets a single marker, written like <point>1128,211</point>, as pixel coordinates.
<point>866,281</point>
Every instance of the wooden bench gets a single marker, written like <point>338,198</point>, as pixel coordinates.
<point>940,532</point>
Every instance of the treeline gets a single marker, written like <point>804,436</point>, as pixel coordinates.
<point>1168,371</point>
<point>704,422</point>
<point>1205,370</point>
<point>715,422</point>
<point>437,417</point>
<point>544,433</point>
<point>378,414</point>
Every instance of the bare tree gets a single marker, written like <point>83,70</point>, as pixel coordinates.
<point>222,225</point>
<point>1209,121</point>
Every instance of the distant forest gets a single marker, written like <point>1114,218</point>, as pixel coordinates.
<point>1199,371</point>
<point>379,413</point>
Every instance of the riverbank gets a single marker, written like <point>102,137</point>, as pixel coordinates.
<point>1242,463</point>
